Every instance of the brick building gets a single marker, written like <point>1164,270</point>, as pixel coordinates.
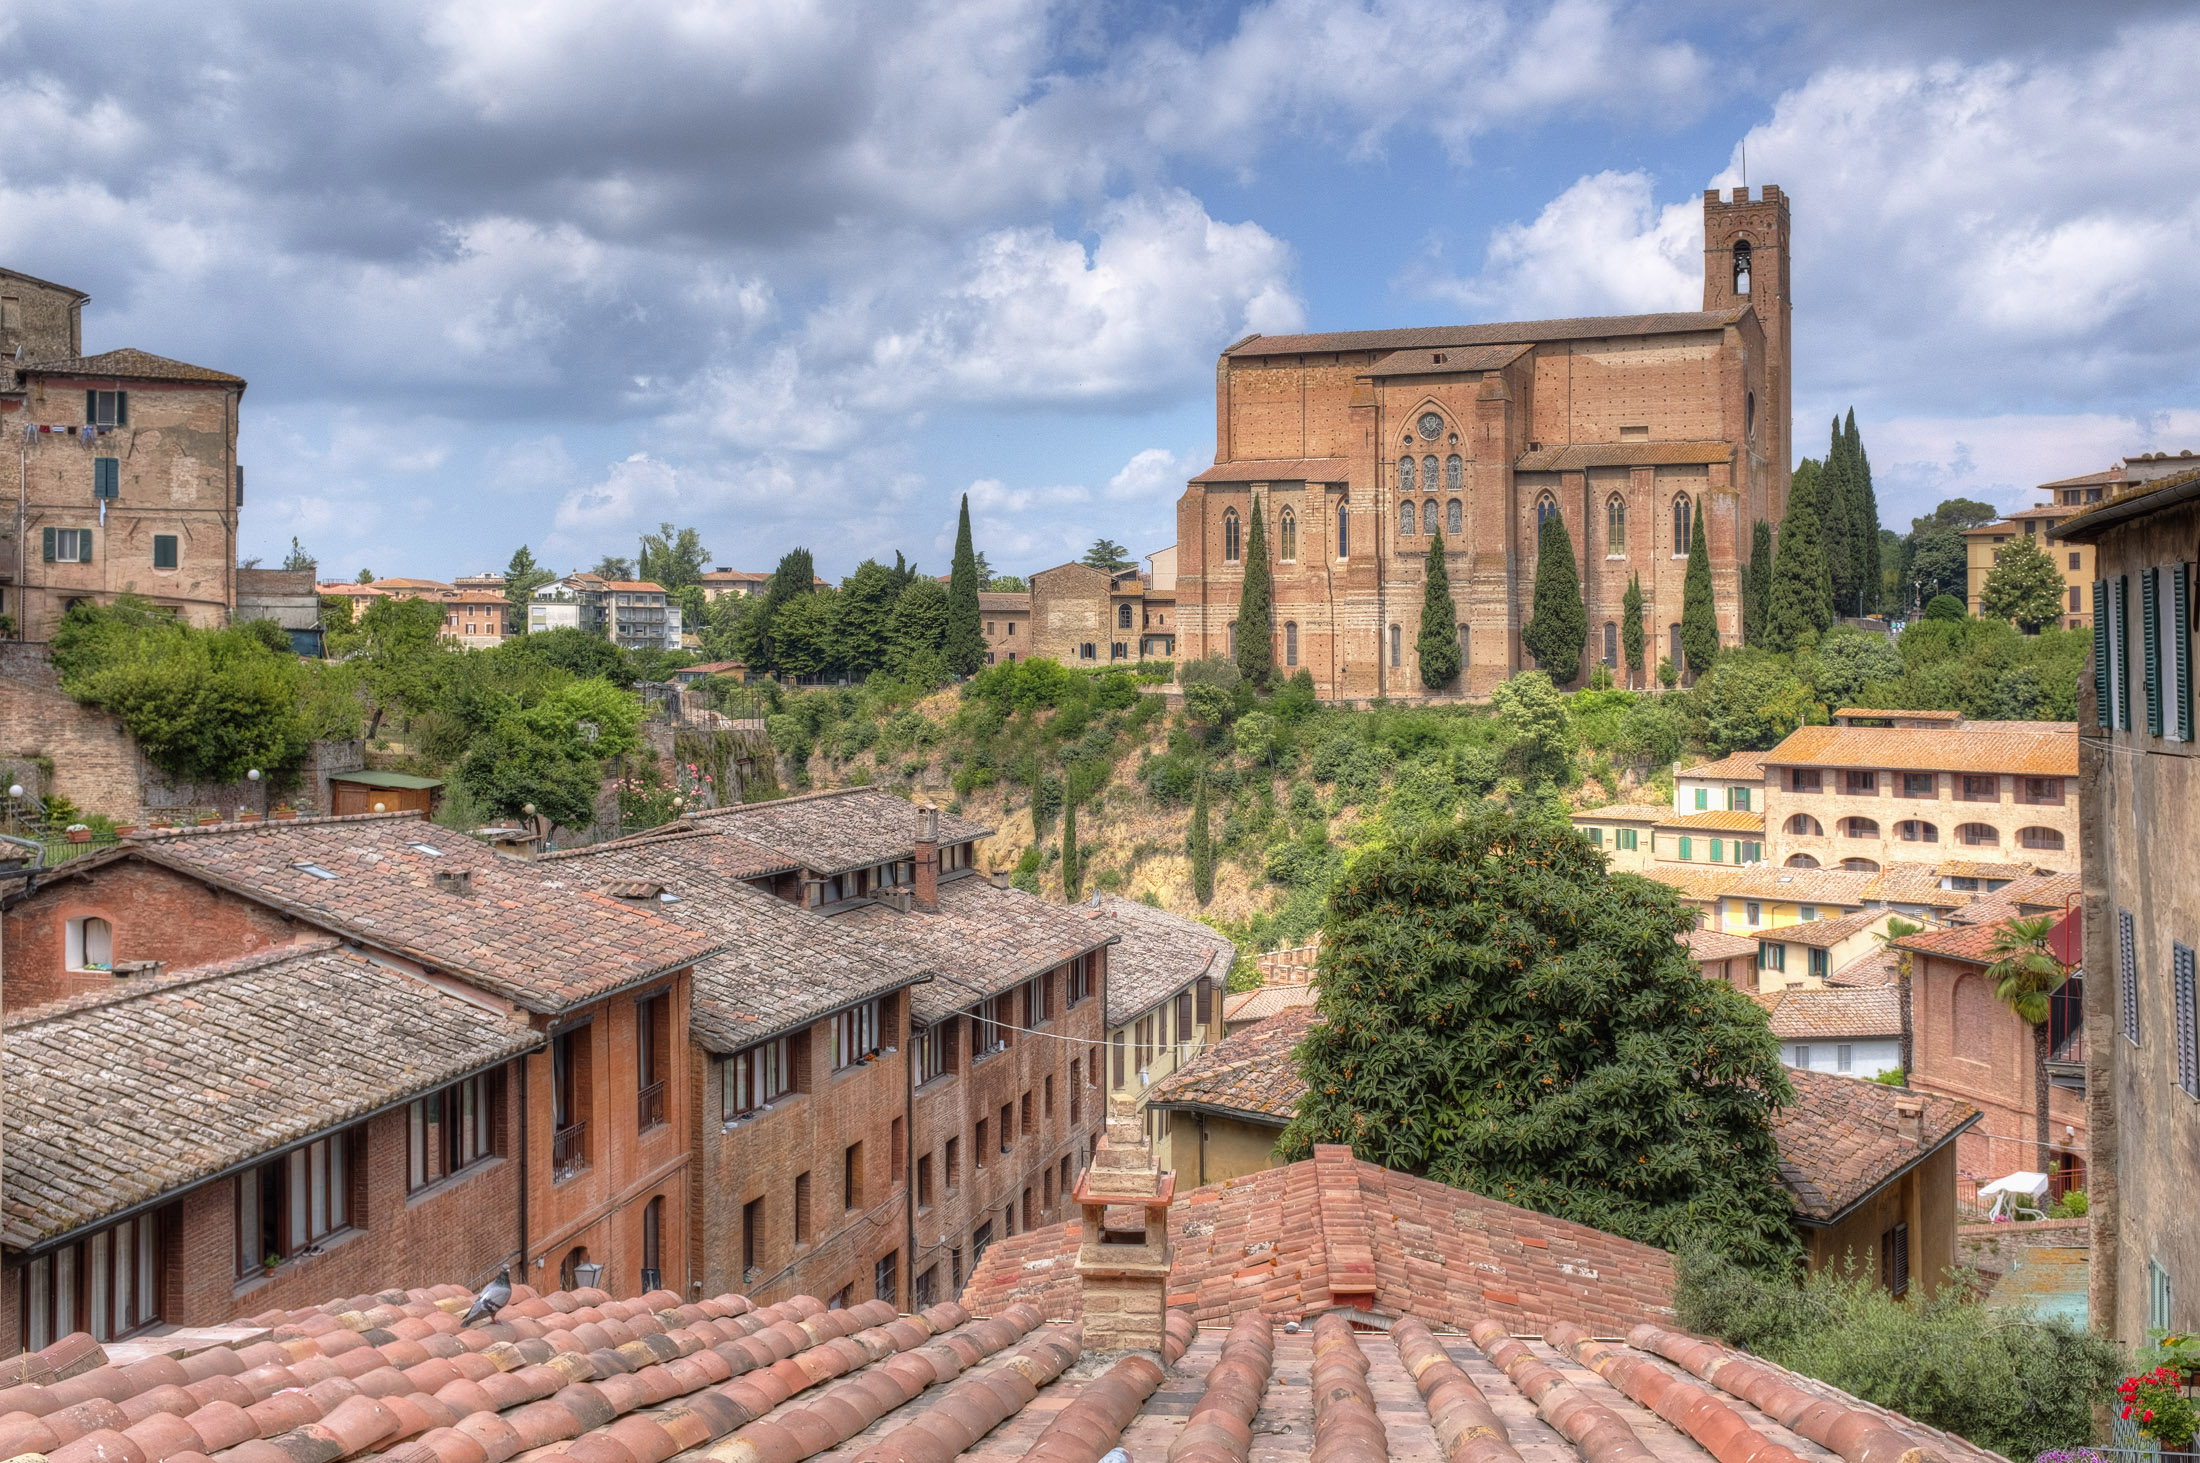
<point>1628,427</point>
<point>1163,979</point>
<point>130,482</point>
<point>479,619</point>
<point>1007,622</point>
<point>2141,906</point>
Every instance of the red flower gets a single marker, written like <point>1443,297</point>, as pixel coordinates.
<point>2127,1414</point>
<point>2147,1416</point>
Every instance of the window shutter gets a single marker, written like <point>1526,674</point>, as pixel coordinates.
<point>2100,656</point>
<point>84,546</point>
<point>2180,652</point>
<point>2127,975</point>
<point>2188,1058</point>
<point>2150,647</point>
<point>2119,651</point>
<point>91,407</point>
<point>107,477</point>
<point>122,408</point>
<point>49,546</point>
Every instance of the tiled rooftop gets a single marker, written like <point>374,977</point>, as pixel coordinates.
<point>832,832</point>
<point>1249,1071</point>
<point>1821,934</point>
<point>160,1082</point>
<point>1733,767</point>
<point>1801,886</point>
<point>1716,820</point>
<point>2043,891</point>
<point>1948,717</point>
<point>701,846</point>
<point>1835,1013</point>
<point>1839,1142</point>
<point>2052,752</point>
<point>1958,942</point>
<point>525,931</point>
<point>980,942</point>
<point>130,365</point>
<point>1159,954</point>
<point>1913,883</point>
<point>1878,966</point>
<point>1691,881</point>
<point>1651,813</point>
<point>782,966</point>
<point>578,1377</point>
<point>1586,327</point>
<point>1268,1000</point>
<point>1985,869</point>
<point>1706,944</point>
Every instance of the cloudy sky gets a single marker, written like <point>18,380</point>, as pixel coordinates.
<point>545,271</point>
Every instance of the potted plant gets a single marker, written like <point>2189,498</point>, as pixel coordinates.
<point>267,1265</point>
<point>2155,1403</point>
<point>79,833</point>
<point>283,813</point>
<point>207,820</point>
<point>248,816</point>
<point>124,830</point>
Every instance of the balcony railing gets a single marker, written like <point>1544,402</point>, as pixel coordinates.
<point>569,1151</point>
<point>649,1107</point>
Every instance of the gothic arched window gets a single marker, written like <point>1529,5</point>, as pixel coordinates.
<point>1344,532</point>
<point>1405,474</point>
<point>1741,266</point>
<point>1546,509</point>
<point>1287,535</point>
<point>1454,519</point>
<point>1290,642</point>
<point>1405,518</point>
<point>1230,535</point>
<point>1682,509</point>
<point>1454,472</point>
<point>1615,526</point>
<point>1428,474</point>
<point>1428,516</point>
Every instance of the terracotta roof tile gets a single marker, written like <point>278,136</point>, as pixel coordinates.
<point>1836,1014</point>
<point>1716,820</point>
<point>1713,945</point>
<point>1573,456</point>
<point>1651,813</point>
<point>980,942</point>
<point>1801,886</point>
<point>1692,882</point>
<point>1913,883</point>
<point>1744,766</point>
<point>2048,753</point>
<point>527,932</point>
<point>1158,955</point>
<point>1839,1143</point>
<point>1948,717</point>
<point>160,1082</point>
<point>1268,1000</point>
<point>1279,470</point>
<point>1511,332</point>
<point>2043,891</point>
<point>1821,934</point>
<point>1984,869</point>
<point>1250,1071</point>
<point>130,365</point>
<point>1878,966</point>
<point>832,832</point>
<point>1966,942</point>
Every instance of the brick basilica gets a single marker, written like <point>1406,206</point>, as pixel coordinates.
<point>1359,445</point>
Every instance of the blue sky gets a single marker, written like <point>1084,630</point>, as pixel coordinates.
<point>531,271</point>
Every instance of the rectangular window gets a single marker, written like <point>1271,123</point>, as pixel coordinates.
<point>1703,798</point>
<point>988,1029</point>
<point>1291,643</point>
<point>1753,912</point>
<point>1596,836</point>
<point>653,1058</point>
<point>1397,642</point>
<point>802,1208</point>
<point>1204,1002</point>
<point>1818,964</point>
<point>106,478</point>
<point>1894,1260</point>
<point>851,1176</point>
<point>855,1034</point>
<point>1738,799</point>
<point>106,408</point>
<point>1802,1057</point>
<point>758,1076</point>
<point>68,545</point>
<point>2150,647</point>
<point>1975,789</point>
<point>1080,979</point>
<point>1117,1042</point>
<point>752,1237</point>
<point>1772,957</point>
<point>2178,716</point>
<point>2158,1296</point>
<point>1920,784</point>
<point>1718,850</point>
<point>109,1284</point>
<point>1804,779</point>
<point>978,1147</point>
<point>1046,1098</point>
<point>1626,838</point>
<point>290,1203</point>
<point>2045,792</point>
<point>1076,1089</point>
<point>954,1164</point>
<point>1008,1127</point>
<point>928,1053</point>
<point>924,1181</point>
<point>1038,1005</point>
<point>1860,784</point>
<point>451,1130</point>
<point>571,1096</point>
<point>2127,975</point>
<point>981,1240</point>
<point>2188,1014</point>
<point>1688,847</point>
<point>883,1275</point>
<point>1843,1058</point>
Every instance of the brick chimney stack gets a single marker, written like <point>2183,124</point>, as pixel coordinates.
<point>928,860</point>
<point>1124,1274</point>
<point>1909,1119</point>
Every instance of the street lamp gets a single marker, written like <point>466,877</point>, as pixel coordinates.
<point>586,1274</point>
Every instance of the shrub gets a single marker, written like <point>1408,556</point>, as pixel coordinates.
<point>1170,779</point>
<point>1208,705</point>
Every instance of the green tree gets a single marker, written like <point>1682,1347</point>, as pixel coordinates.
<point>1543,1039</point>
<point>1202,846</point>
<point>2026,975</point>
<point>916,631</point>
<point>1845,661</point>
<point>1799,604</point>
<point>1437,646</point>
<point>1069,850</point>
<point>752,636</point>
<point>673,558</point>
<point>1945,607</point>
<point>1699,616</point>
<point>806,635</point>
<point>1558,629</point>
<point>522,577</point>
<point>512,766</point>
<point>571,650</point>
<point>366,576</point>
<point>1256,621</point>
<point>964,645</point>
<point>1865,544</point>
<point>1534,715</point>
<point>1757,583</point>
<point>1630,628</point>
<point>613,567</point>
<point>1108,556</point>
<point>2024,585</point>
<point>1749,701</point>
<point>1836,523</point>
<point>866,601</point>
<point>298,560</point>
<point>1007,584</point>
<point>1935,560</point>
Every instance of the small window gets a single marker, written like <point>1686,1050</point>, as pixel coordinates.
<point>1920,784</point>
<point>1611,645</point>
<point>1086,651</point>
<point>68,546</point>
<point>1818,964</point>
<point>2040,838</point>
<point>1683,516</point>
<point>106,408</point>
<point>1344,531</point>
<point>757,1077</point>
<point>164,551</point>
<point>1287,545</point>
<point>1753,912</point>
<point>1843,1058</point>
<point>1627,839</point>
<point>1737,799</point>
<point>1615,527</point>
<point>1406,485</point>
<point>1123,616</point>
<point>1802,1057</point>
<point>451,1130</point>
<point>1806,912</point>
<point>1688,847</point>
<point>1290,642</point>
<point>802,1234</point>
<point>1397,647</point>
<point>1703,799</point>
<point>106,478</point>
<point>855,1034</point>
<point>314,869</point>
<point>1405,517</point>
<point>1979,835</point>
<point>1454,476</point>
<point>1546,509</point>
<point>90,944</point>
<point>1231,544</point>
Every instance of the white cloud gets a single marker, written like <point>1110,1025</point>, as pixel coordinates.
<point>2002,459</point>
<point>1156,474</point>
<point>1602,247</point>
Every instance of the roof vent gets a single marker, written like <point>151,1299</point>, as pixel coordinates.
<point>632,888</point>
<point>897,898</point>
<point>1909,1120</point>
<point>455,881</point>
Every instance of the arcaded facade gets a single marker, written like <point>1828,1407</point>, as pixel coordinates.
<point>1360,446</point>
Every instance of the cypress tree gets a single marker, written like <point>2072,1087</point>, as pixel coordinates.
<point>1864,506</point>
<point>1437,647</point>
<point>1699,616</point>
<point>1757,583</point>
<point>1256,621</point>
<point>1202,846</point>
<point>964,647</point>
<point>1797,605</point>
<point>1837,523</point>
<point>1630,628</point>
<point>1069,850</point>
<point>1559,627</point>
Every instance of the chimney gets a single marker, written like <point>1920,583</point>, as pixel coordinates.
<point>928,860</point>
<point>1122,1274</point>
<point>895,899</point>
<point>455,881</point>
<point>1909,1120</point>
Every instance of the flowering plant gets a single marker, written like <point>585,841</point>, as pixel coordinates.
<point>2156,1403</point>
<point>2070,1455</point>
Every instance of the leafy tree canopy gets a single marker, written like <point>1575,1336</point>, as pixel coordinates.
<point>1845,661</point>
<point>1108,556</point>
<point>673,557</point>
<point>298,559</point>
<point>1945,607</point>
<point>1749,701</point>
<point>612,566</point>
<point>571,650</point>
<point>2024,585</point>
<point>1503,1014</point>
<point>1006,584</point>
<point>522,577</point>
<point>1532,709</point>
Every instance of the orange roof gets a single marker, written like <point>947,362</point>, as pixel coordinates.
<point>1733,767</point>
<point>1717,820</point>
<point>1824,934</point>
<point>1713,945</point>
<point>396,583</point>
<point>1947,716</point>
<point>1691,882</point>
<point>1801,886</point>
<point>1625,813</point>
<point>2039,754</point>
<point>2087,522</point>
<point>1957,942</point>
<point>634,586</point>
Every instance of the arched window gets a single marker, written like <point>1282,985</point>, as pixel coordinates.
<point>1454,473</point>
<point>1428,474</point>
<point>1801,861</point>
<point>653,1243</point>
<point>1290,642</point>
<point>1615,526</point>
<point>574,1259</point>
<point>1428,516</point>
<point>1611,645</point>
<point>1860,865</point>
<point>1859,828</point>
<point>1803,825</point>
<point>1397,643</point>
<point>1405,474</point>
<point>1979,835</point>
<point>1287,535</point>
<point>89,943</point>
<point>1454,516</point>
<point>1749,415</point>
<point>1546,509</point>
<point>1344,531</point>
<point>2039,838</point>
<point>1230,540</point>
<point>1682,509</point>
<point>1123,616</point>
<point>1912,830</point>
<point>1741,266</point>
<point>1405,517</point>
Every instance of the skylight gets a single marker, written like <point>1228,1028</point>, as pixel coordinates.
<point>427,848</point>
<point>314,869</point>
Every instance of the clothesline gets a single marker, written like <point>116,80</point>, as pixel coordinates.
<point>32,429</point>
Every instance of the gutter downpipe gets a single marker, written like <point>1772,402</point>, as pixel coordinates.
<point>909,1158</point>
<point>526,1261</point>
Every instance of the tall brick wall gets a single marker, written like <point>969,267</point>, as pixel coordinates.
<point>95,764</point>
<point>1970,1046</point>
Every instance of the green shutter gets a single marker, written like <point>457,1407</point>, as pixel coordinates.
<point>122,408</point>
<point>91,407</point>
<point>1718,850</point>
<point>2100,656</point>
<point>84,546</point>
<point>49,546</point>
<point>2120,652</point>
<point>1687,846</point>
<point>2180,650</point>
<point>2150,647</point>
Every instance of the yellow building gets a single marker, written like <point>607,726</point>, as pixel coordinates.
<point>1804,955</point>
<point>1226,1109</point>
<point>2074,560</point>
<point>1166,976</point>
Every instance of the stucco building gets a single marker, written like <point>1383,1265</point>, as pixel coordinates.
<point>1360,446</point>
<point>129,480</point>
<point>1006,619</point>
<point>2141,872</point>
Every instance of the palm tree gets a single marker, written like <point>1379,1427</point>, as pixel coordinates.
<point>2025,973</point>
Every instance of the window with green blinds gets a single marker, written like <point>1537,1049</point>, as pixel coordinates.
<point>2179,653</point>
<point>2101,687</point>
<point>2119,650</point>
<point>2150,647</point>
